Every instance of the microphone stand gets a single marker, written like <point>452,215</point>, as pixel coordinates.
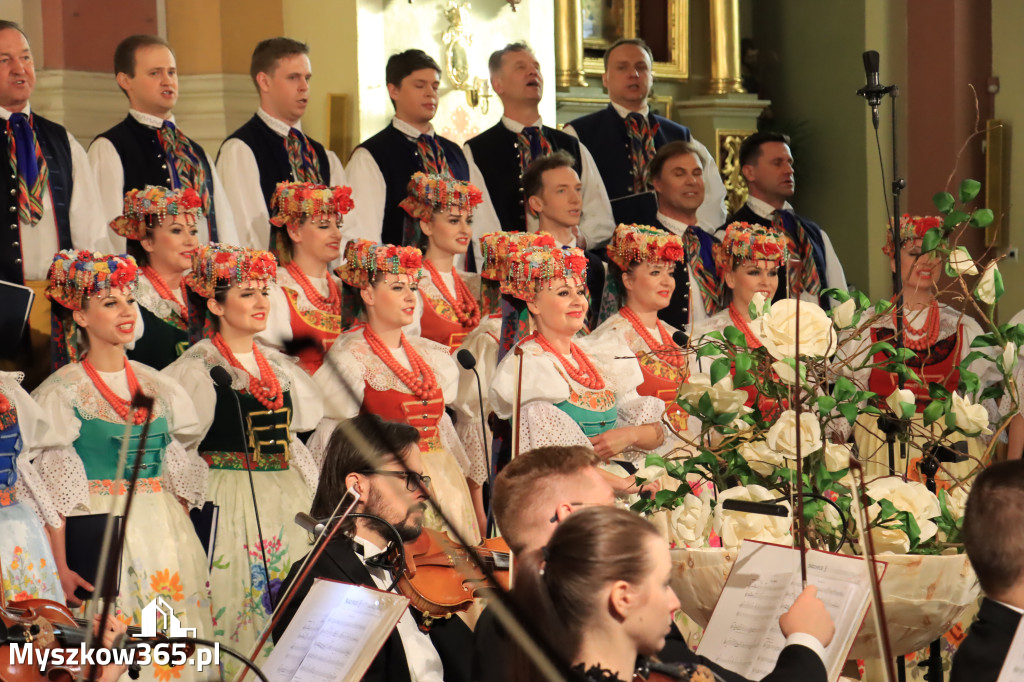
<point>468,361</point>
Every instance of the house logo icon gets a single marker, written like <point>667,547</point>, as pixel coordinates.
<point>158,615</point>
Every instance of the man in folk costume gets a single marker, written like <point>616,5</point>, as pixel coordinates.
<point>767,165</point>
<point>271,147</point>
<point>50,194</point>
<point>380,167</point>
<point>505,151</point>
<point>677,175</point>
<point>625,135</point>
<point>147,148</point>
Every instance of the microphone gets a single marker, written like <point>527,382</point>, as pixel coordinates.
<point>873,91</point>
<point>766,508</point>
<point>468,361</point>
<point>222,378</point>
<point>680,338</point>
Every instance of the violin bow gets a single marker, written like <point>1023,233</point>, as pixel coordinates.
<point>517,416</point>
<point>800,523</point>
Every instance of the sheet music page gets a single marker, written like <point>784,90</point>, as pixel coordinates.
<point>1013,665</point>
<point>335,633</point>
<point>744,634</point>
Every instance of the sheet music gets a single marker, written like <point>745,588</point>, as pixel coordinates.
<point>1013,665</point>
<point>744,634</point>
<point>335,633</point>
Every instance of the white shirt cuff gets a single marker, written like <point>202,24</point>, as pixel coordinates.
<point>809,641</point>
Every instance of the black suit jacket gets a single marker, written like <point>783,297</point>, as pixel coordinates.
<point>981,654</point>
<point>452,637</point>
<point>491,658</point>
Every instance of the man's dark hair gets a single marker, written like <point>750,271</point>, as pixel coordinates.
<point>995,508</point>
<point>269,51</point>
<point>533,178</point>
<point>124,53</point>
<point>404,63</point>
<point>387,440</point>
<point>667,153</point>
<point>750,149</point>
<point>5,24</point>
<point>494,62</point>
<point>639,42</point>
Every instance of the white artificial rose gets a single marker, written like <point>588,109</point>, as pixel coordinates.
<point>761,458</point>
<point>651,473</point>
<point>890,540</point>
<point>757,301</point>
<point>694,387</point>
<point>782,435</point>
<point>734,527</point>
<point>971,419</point>
<point>832,517</point>
<point>837,456</point>
<point>725,398</point>
<point>844,313</point>
<point>961,262</point>
<point>956,502</point>
<point>909,496</point>
<point>1008,360</point>
<point>688,523</point>
<point>902,402</point>
<point>785,371</point>
<point>986,289</point>
<point>778,330</point>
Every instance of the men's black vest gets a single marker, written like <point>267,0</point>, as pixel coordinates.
<point>677,313</point>
<point>398,158</point>
<point>56,148</point>
<point>145,162</point>
<point>496,154</point>
<point>271,152</point>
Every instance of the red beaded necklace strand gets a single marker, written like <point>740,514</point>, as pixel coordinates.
<point>121,406</point>
<point>584,374</point>
<point>666,351</point>
<point>743,326</point>
<point>467,310</point>
<point>266,388</point>
<point>925,336</point>
<point>164,291</point>
<point>420,379</point>
<point>329,304</point>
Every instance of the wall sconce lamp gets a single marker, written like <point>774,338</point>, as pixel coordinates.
<point>457,40</point>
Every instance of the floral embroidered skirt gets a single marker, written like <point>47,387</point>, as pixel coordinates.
<point>162,558</point>
<point>242,590</point>
<point>449,489</point>
<point>28,566</point>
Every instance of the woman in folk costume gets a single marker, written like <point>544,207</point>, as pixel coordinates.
<point>89,405</point>
<point>277,399</point>
<point>442,208</point>
<point>565,399</point>
<point>159,226</point>
<point>748,261</point>
<point>306,301</point>
<point>642,262</point>
<point>941,338</point>
<point>378,368</point>
<point>26,558</point>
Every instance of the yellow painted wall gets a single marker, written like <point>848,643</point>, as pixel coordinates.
<point>217,36</point>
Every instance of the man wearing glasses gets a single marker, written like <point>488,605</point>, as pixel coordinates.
<point>391,486</point>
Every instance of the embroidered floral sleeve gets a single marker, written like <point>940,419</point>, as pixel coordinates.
<point>58,465</point>
<point>544,424</point>
<point>341,368</point>
<point>542,381</point>
<point>30,489</point>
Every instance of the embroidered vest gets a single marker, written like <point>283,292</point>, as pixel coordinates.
<point>938,364</point>
<point>406,408</point>
<point>161,342</point>
<point>661,380</point>
<point>438,326</point>
<point>315,323</point>
<point>99,443</point>
<point>594,411</point>
<point>266,433</point>
<point>10,448</point>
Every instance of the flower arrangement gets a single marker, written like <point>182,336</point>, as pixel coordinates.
<point>643,244</point>
<point>294,202</point>
<point>428,193</point>
<point>365,259</point>
<point>222,265</point>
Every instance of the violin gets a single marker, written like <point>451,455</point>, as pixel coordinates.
<point>656,671</point>
<point>440,579</point>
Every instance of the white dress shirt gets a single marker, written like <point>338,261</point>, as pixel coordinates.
<point>106,165</point>
<point>424,661</point>
<point>369,192</point>
<point>695,305</point>
<point>596,222</point>
<point>88,230</point>
<point>241,177</point>
<point>834,275</point>
<point>712,214</point>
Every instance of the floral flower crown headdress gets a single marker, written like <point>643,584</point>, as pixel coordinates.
<point>220,265</point>
<point>746,242</point>
<point>77,275</point>
<point>428,193</point>
<point>911,228</point>
<point>496,248</point>
<point>643,244</point>
<point>293,202</point>
<point>532,267</point>
<point>364,259</point>
<point>143,207</point>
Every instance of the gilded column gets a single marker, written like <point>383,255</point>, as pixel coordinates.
<point>725,48</point>
<point>569,44</point>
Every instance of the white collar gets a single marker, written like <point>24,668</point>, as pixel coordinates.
<point>516,126</point>
<point>149,119</point>
<point>276,124</point>
<point>408,129</point>
<point>1010,606</point>
<point>369,549</point>
<point>5,114</point>
<point>623,112</point>
<point>763,208</point>
<point>676,227</point>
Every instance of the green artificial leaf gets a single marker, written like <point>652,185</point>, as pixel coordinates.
<point>863,302</point>
<point>984,340</point>
<point>932,238</point>
<point>933,411</point>
<point>708,349</point>
<point>844,389</point>
<point>662,497</point>
<point>950,420</point>
<point>976,355</point>
<point>743,362</point>
<point>653,460</point>
<point>704,405</point>
<point>880,346</point>
<point>826,403</point>
<point>870,409</point>
<point>969,382</point>
<point>954,218</point>
<point>993,392</point>
<point>848,410</point>
<point>883,306</point>
<point>735,337</point>
<point>982,218</point>
<point>968,190</point>
<point>937,391</point>
<point>840,295</point>
<point>720,369</point>
<point>944,201</point>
